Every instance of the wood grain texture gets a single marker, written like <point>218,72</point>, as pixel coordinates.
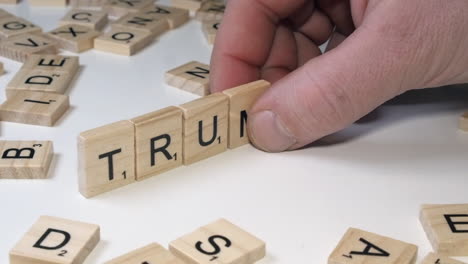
<point>94,19</point>
<point>88,4</point>
<point>54,63</point>
<point>236,246</point>
<point>20,47</point>
<point>433,258</point>
<point>106,158</point>
<point>25,159</point>
<point>123,42</point>
<point>52,3</point>
<point>241,99</point>
<point>11,26</point>
<point>158,141</point>
<point>210,29</point>
<point>118,8</point>
<point>152,253</point>
<point>205,127</point>
<point>193,77</point>
<point>446,227</point>
<point>192,5</point>
<point>463,122</point>
<point>53,232</point>
<point>210,10</point>
<point>39,81</point>
<point>175,16</point>
<point>140,21</point>
<point>34,108</point>
<point>74,38</point>
<point>361,247</point>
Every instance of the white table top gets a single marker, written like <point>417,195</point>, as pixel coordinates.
<point>373,176</point>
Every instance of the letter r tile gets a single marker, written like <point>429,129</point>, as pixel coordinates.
<point>446,226</point>
<point>158,142</point>
<point>361,247</point>
<point>106,158</point>
<point>55,240</point>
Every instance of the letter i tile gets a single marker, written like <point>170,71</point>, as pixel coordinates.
<point>359,247</point>
<point>56,241</point>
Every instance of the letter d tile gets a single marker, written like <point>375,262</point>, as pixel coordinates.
<point>55,240</point>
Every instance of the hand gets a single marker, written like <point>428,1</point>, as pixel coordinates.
<point>383,48</point>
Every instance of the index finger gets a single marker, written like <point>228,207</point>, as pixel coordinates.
<point>245,38</point>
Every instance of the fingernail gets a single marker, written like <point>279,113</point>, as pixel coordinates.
<point>268,133</point>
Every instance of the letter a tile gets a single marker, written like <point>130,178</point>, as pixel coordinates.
<point>361,247</point>
<point>205,127</point>
<point>219,242</point>
<point>106,158</point>
<point>446,226</point>
<point>56,241</point>
<point>25,159</point>
<point>152,253</point>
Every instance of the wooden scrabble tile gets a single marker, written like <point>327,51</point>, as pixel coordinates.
<point>152,253</point>
<point>175,16</point>
<point>142,22</point>
<point>25,159</point>
<point>56,240</point>
<point>120,8</point>
<point>39,81</point>
<point>432,258</point>
<point>123,42</point>
<point>210,29</point>
<point>55,63</point>
<point>12,26</point>
<point>205,127</point>
<point>74,38</point>
<point>463,123</point>
<point>34,108</point>
<point>93,19</point>
<point>158,138</point>
<point>20,47</point>
<point>193,77</point>
<point>211,10</point>
<point>89,4</point>
<point>4,13</point>
<point>218,242</point>
<point>106,158</point>
<point>54,3</point>
<point>241,99</point>
<point>361,247</point>
<point>446,226</point>
<point>2,70</point>
<point>192,5</point>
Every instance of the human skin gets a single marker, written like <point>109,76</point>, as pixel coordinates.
<point>381,48</point>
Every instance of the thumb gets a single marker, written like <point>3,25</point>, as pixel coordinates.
<point>330,92</point>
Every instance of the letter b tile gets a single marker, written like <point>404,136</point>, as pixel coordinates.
<point>106,158</point>
<point>446,226</point>
<point>56,241</point>
<point>359,247</point>
<point>25,159</point>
